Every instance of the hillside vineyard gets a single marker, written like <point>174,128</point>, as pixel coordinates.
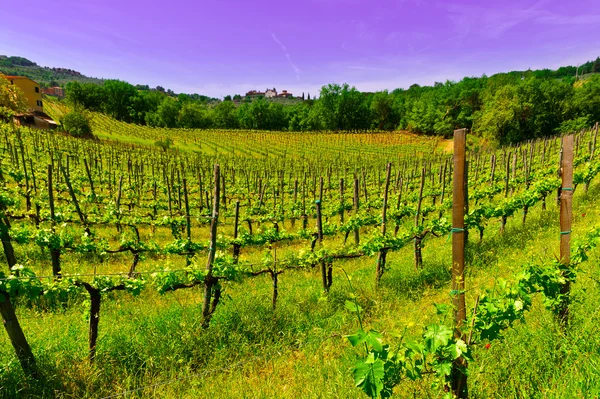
<point>94,224</point>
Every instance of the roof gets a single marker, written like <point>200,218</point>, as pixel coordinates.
<point>17,77</point>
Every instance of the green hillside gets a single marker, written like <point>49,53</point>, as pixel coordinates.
<point>45,76</point>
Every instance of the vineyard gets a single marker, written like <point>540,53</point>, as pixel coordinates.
<point>265,264</point>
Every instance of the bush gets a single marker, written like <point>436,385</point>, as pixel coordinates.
<point>574,125</point>
<point>165,143</point>
<point>77,124</point>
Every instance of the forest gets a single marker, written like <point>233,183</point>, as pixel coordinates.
<point>504,108</point>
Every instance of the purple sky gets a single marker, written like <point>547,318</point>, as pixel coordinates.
<point>221,47</point>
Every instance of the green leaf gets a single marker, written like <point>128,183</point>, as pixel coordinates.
<point>437,335</point>
<point>373,338</point>
<point>353,307</point>
<point>443,369</point>
<point>458,349</point>
<point>369,375</point>
<point>358,338</point>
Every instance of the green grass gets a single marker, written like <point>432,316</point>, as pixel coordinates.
<point>299,350</point>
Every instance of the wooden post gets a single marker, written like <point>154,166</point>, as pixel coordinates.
<point>364,176</point>
<point>493,167</point>
<point>560,161</point>
<point>320,239</point>
<point>342,205</point>
<point>383,252</point>
<point>7,311</point>
<point>89,175</point>
<point>466,207</point>
<point>209,281</point>
<point>506,177</point>
<point>82,217</point>
<point>566,198</point>
<point>443,187</point>
<point>594,141</point>
<point>54,252</point>
<point>513,171</point>
<point>418,249</point>
<point>459,377</point>
<point>188,220</point>
<point>236,246</point>
<point>356,205</point>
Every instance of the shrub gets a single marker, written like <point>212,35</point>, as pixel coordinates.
<point>574,125</point>
<point>77,124</point>
<point>165,143</point>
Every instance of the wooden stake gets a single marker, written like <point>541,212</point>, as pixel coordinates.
<point>383,252</point>
<point>459,377</point>
<point>209,281</point>
<point>566,216</point>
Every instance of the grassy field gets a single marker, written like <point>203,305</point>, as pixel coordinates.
<point>152,345</point>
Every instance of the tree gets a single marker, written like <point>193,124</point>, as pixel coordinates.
<point>500,118</point>
<point>344,108</point>
<point>384,116</point>
<point>227,98</point>
<point>224,115</point>
<point>586,100</point>
<point>596,66</point>
<point>277,118</point>
<point>12,99</point>
<point>194,115</point>
<point>119,95</point>
<point>77,124</point>
<point>244,116</point>
<point>87,95</point>
<point>168,112</point>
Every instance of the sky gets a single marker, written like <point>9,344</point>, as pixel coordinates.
<point>220,47</point>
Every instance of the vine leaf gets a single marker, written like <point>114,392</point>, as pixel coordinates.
<point>369,374</point>
<point>372,338</point>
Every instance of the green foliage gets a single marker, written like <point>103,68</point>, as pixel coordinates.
<point>574,125</point>
<point>77,124</point>
<point>12,99</point>
<point>164,144</point>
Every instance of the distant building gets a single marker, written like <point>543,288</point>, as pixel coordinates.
<point>270,93</point>
<point>31,90</point>
<point>285,94</point>
<point>254,94</point>
<point>54,91</point>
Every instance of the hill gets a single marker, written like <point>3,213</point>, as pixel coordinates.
<point>45,76</point>
<point>504,108</point>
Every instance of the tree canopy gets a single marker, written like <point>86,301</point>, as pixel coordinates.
<point>504,108</point>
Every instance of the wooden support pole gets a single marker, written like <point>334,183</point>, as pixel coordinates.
<point>566,216</point>
<point>236,246</point>
<point>54,252</point>
<point>383,252</point>
<point>212,290</point>
<point>419,239</point>
<point>356,205</point>
<point>342,204</point>
<point>188,220</point>
<point>459,377</point>
<point>320,240</point>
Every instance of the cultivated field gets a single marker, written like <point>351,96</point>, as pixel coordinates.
<point>129,286</point>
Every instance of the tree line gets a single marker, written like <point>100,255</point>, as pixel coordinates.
<point>506,107</point>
